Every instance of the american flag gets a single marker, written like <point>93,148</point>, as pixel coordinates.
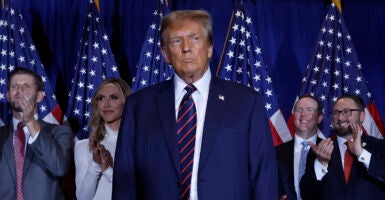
<point>334,70</point>
<point>152,68</point>
<point>95,62</point>
<point>242,62</point>
<point>18,50</point>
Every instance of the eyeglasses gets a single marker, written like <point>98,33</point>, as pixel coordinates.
<point>345,112</point>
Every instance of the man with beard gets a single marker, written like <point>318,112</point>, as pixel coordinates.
<point>350,166</point>
<point>33,154</point>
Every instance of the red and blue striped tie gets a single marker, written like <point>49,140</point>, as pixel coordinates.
<point>186,128</point>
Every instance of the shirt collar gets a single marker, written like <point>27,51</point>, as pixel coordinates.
<point>109,131</point>
<point>200,84</point>
<point>15,121</point>
<point>298,140</point>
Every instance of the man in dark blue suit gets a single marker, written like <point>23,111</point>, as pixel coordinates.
<point>307,113</point>
<point>351,166</point>
<point>230,154</point>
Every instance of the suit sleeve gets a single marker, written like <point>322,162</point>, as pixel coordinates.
<point>87,172</point>
<point>124,181</point>
<point>377,160</point>
<point>262,160</point>
<point>310,187</point>
<point>53,147</point>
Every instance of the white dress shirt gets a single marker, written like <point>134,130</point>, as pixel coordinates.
<point>321,170</point>
<point>200,97</point>
<point>297,155</point>
<point>26,132</point>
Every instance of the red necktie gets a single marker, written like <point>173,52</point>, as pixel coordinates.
<point>19,147</point>
<point>348,161</point>
<point>186,128</point>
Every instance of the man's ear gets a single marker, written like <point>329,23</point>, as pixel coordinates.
<point>40,96</point>
<point>165,55</point>
<point>210,52</point>
<point>320,118</point>
<point>362,116</point>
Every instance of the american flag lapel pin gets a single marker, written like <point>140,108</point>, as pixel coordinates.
<point>221,97</point>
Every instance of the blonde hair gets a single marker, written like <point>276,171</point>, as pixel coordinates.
<point>97,122</point>
<point>175,18</point>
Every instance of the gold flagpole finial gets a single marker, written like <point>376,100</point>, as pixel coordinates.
<point>338,4</point>
<point>97,5</point>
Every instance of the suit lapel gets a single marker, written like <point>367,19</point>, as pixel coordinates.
<point>165,98</point>
<point>214,113</point>
<point>290,155</point>
<point>357,166</point>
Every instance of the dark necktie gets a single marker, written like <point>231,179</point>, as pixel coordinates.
<point>19,147</point>
<point>348,161</point>
<point>302,163</point>
<point>186,128</point>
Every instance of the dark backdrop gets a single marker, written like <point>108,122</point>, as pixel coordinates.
<point>287,30</point>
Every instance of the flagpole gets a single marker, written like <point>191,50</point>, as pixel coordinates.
<point>225,43</point>
<point>338,4</point>
<point>97,5</point>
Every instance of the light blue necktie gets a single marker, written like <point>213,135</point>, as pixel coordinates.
<point>302,163</point>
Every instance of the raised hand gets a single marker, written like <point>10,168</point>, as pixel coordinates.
<point>94,150</point>
<point>354,144</point>
<point>105,157</point>
<point>323,151</point>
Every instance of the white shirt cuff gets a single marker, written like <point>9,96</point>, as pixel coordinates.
<point>108,174</point>
<point>365,158</point>
<point>320,170</point>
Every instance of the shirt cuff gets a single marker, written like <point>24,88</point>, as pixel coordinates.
<point>320,170</point>
<point>108,174</point>
<point>365,158</point>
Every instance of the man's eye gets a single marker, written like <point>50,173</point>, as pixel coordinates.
<point>175,41</point>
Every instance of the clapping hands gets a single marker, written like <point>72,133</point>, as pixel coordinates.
<point>323,151</point>
<point>100,154</point>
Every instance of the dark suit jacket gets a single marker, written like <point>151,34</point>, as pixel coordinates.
<point>46,160</point>
<point>285,157</point>
<point>285,183</point>
<point>237,159</point>
<point>363,183</point>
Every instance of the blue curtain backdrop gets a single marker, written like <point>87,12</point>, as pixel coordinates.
<point>287,30</point>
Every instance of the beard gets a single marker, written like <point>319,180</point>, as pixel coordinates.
<point>343,131</point>
<point>16,107</point>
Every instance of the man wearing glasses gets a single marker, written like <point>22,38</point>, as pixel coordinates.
<point>350,166</point>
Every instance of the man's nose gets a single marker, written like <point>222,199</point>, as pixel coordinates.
<point>185,46</point>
